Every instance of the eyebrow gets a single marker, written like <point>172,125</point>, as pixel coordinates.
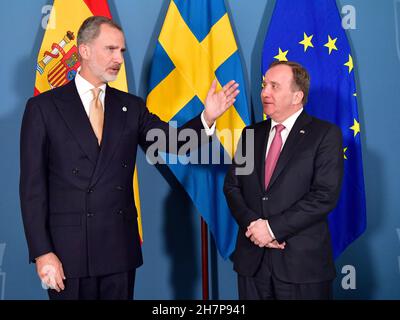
<point>272,82</point>
<point>123,49</point>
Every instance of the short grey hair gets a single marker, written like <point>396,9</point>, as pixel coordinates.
<point>90,28</point>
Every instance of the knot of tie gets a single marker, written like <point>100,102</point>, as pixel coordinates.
<point>96,93</point>
<point>278,128</point>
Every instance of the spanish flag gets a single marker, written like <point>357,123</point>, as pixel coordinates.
<point>57,61</point>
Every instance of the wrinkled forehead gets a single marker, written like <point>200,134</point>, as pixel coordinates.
<point>110,33</point>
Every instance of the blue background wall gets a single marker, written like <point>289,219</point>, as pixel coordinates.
<point>171,225</point>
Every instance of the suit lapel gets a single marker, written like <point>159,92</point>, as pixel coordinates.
<point>71,108</point>
<point>261,139</point>
<point>114,123</point>
<point>295,136</point>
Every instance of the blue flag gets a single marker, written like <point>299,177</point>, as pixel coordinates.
<point>310,33</point>
<point>196,45</point>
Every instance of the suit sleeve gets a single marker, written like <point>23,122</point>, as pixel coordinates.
<point>33,181</point>
<point>149,121</point>
<point>323,193</point>
<point>233,190</point>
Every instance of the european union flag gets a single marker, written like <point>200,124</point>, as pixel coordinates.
<point>310,32</point>
<point>196,44</point>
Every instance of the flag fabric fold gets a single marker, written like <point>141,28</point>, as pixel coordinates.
<point>310,32</point>
<point>58,62</point>
<point>196,44</point>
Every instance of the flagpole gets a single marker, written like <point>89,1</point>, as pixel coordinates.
<point>204,258</point>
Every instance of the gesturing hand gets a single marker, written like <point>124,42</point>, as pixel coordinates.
<point>218,102</point>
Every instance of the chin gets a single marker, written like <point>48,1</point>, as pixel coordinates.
<point>110,78</point>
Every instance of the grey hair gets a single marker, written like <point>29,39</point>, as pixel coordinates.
<point>90,28</point>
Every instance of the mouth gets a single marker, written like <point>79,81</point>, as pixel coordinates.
<point>114,70</point>
<point>267,103</point>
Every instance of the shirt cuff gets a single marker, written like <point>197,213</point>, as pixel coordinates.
<point>270,231</point>
<point>209,131</point>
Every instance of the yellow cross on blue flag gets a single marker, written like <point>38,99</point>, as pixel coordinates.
<point>196,45</point>
<point>310,32</point>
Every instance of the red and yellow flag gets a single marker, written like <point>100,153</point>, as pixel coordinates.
<point>58,55</point>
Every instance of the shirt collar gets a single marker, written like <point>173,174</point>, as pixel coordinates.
<point>83,86</point>
<point>289,122</point>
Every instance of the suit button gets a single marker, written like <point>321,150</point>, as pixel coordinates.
<point>89,214</point>
<point>120,211</point>
<point>120,188</point>
<point>90,190</point>
<point>124,165</point>
<point>265,198</point>
<point>75,171</point>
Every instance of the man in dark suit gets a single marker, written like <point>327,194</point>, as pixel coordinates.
<point>78,152</point>
<point>283,248</point>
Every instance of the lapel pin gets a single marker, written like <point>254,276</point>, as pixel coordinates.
<point>302,132</point>
<point>124,109</point>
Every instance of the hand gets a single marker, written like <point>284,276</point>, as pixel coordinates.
<point>275,245</point>
<point>258,233</point>
<point>218,102</point>
<point>50,271</point>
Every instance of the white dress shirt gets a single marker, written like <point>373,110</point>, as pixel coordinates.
<point>84,88</point>
<point>288,123</point>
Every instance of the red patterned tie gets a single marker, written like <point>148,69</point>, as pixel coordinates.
<point>273,154</point>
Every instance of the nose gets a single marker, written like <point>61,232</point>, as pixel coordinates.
<point>119,57</point>
<point>265,91</point>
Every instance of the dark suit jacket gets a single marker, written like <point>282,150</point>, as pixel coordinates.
<point>76,198</point>
<point>304,188</point>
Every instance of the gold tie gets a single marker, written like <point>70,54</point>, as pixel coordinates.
<point>96,114</point>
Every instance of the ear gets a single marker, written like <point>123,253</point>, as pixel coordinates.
<point>298,97</point>
<point>84,51</point>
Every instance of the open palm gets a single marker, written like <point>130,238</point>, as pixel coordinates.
<point>218,102</point>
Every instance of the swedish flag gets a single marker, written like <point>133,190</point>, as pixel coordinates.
<point>196,45</point>
<point>310,32</point>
